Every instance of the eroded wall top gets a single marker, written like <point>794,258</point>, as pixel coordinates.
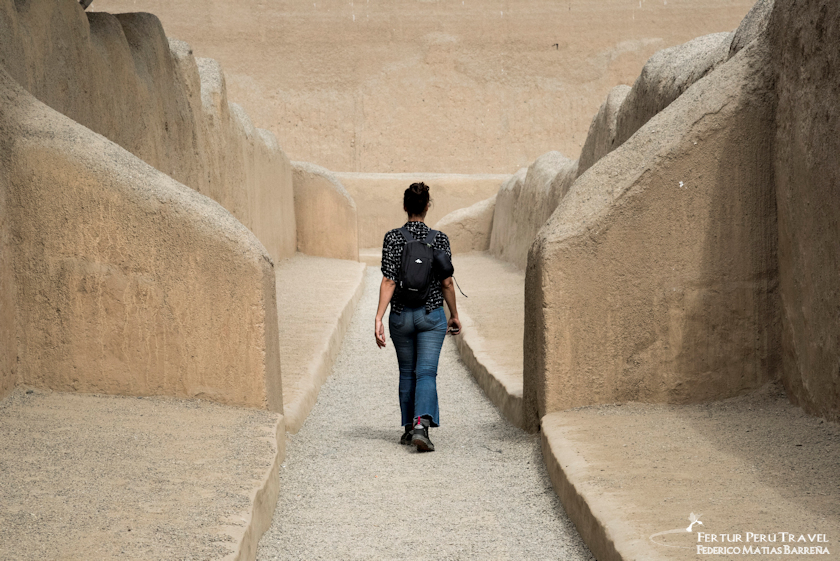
<point>456,87</point>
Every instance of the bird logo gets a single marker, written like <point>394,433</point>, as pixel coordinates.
<point>694,519</point>
<point>658,538</point>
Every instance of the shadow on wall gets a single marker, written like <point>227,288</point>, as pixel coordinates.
<point>806,46</point>
<point>525,202</point>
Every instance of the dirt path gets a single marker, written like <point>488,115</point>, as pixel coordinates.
<point>350,491</point>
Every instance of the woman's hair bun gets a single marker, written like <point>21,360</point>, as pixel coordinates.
<point>416,198</point>
<point>419,188</point>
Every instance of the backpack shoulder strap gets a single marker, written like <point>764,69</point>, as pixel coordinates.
<point>430,237</point>
<point>406,234</point>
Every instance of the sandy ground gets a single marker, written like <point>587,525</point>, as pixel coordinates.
<point>98,477</point>
<point>754,464</point>
<point>315,301</point>
<point>496,305</point>
<point>493,317</point>
<point>349,490</point>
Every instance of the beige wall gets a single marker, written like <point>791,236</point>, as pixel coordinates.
<point>8,344</point>
<point>325,214</point>
<point>240,166</point>
<point>806,39</point>
<point>654,279</point>
<point>455,87</point>
<point>127,281</point>
<point>120,77</point>
<point>601,138</point>
<point>525,202</point>
<point>379,198</point>
<point>666,76</point>
<point>469,229</point>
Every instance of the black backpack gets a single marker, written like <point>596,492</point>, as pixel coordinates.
<point>416,269</point>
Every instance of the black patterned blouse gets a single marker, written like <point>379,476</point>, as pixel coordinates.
<point>392,248</point>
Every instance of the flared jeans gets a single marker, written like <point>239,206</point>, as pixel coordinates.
<point>418,338</point>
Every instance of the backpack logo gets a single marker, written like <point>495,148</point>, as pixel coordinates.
<point>418,261</point>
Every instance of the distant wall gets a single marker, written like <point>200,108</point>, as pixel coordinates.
<point>379,198</point>
<point>120,77</point>
<point>469,229</point>
<point>325,214</point>
<point>525,202</point>
<point>806,49</point>
<point>456,87</point>
<point>655,279</point>
<point>128,282</point>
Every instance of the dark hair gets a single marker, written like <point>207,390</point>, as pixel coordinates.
<point>415,199</point>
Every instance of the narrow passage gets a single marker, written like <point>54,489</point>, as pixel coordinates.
<point>349,490</point>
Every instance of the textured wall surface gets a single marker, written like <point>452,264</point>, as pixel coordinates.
<point>469,228</point>
<point>325,214</point>
<point>806,48</point>
<point>525,202</point>
<point>454,87</point>
<point>379,198</point>
<point>120,77</point>
<point>602,136</point>
<point>666,76</point>
<point>655,279</point>
<point>127,281</point>
<point>8,344</point>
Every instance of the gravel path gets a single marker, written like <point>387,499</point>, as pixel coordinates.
<point>350,491</point>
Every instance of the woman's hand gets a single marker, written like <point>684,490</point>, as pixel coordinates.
<point>386,291</point>
<point>448,289</point>
<point>454,325</point>
<point>379,331</point>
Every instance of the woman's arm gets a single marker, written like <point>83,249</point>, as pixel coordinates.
<point>386,291</point>
<point>448,289</point>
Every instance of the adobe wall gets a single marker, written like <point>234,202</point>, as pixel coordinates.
<point>325,214</point>
<point>8,344</point>
<point>805,38</point>
<point>469,228</point>
<point>525,202</point>
<point>455,87</point>
<point>655,278</point>
<point>128,282</point>
<point>120,77</point>
<point>379,198</point>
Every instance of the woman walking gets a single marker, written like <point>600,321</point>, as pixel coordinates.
<point>417,330</point>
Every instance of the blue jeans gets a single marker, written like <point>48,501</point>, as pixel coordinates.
<point>417,338</point>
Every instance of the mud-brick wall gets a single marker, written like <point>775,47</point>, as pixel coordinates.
<point>121,77</point>
<point>475,86</point>
<point>654,280</point>
<point>127,282</point>
<point>806,51</point>
<point>115,277</point>
<point>8,350</point>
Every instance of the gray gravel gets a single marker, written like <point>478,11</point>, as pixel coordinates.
<point>350,491</point>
